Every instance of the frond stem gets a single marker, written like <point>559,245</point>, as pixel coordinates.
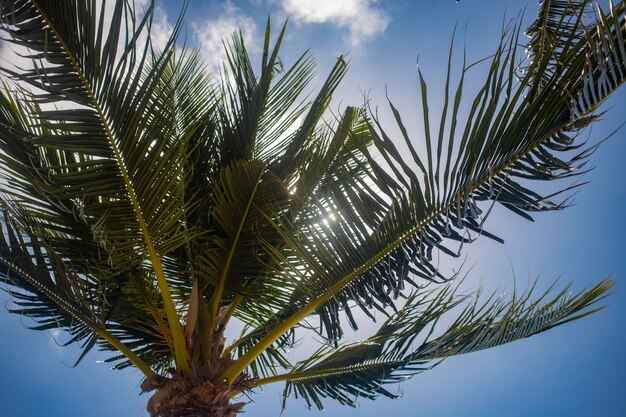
<point>74,312</point>
<point>180,346</point>
<point>219,289</point>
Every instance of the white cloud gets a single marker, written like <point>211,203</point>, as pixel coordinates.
<point>360,17</point>
<point>161,29</point>
<point>211,34</point>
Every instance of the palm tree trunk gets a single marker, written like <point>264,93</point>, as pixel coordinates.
<point>184,397</point>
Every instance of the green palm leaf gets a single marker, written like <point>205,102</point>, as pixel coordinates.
<point>404,345</point>
<point>137,216</point>
<point>429,201</point>
<point>145,205</point>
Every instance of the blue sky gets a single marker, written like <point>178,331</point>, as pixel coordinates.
<point>576,370</point>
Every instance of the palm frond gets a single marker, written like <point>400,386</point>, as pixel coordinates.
<point>405,344</point>
<point>137,191</point>
<point>43,287</point>
<point>558,24</point>
<point>264,117</point>
<point>246,197</point>
<point>124,182</point>
<point>517,126</point>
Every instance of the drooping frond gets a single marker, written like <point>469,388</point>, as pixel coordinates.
<point>51,300</point>
<point>99,158</point>
<point>406,344</point>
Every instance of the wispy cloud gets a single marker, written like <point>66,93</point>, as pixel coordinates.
<point>161,29</point>
<point>211,34</point>
<point>362,19</point>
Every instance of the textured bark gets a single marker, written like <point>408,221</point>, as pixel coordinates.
<point>180,397</point>
<point>201,393</point>
<point>198,395</point>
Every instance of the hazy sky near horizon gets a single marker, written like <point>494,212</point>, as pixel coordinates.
<point>576,370</point>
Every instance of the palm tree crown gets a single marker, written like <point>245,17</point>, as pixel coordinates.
<point>145,204</point>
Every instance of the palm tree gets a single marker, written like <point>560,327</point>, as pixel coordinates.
<point>146,206</point>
